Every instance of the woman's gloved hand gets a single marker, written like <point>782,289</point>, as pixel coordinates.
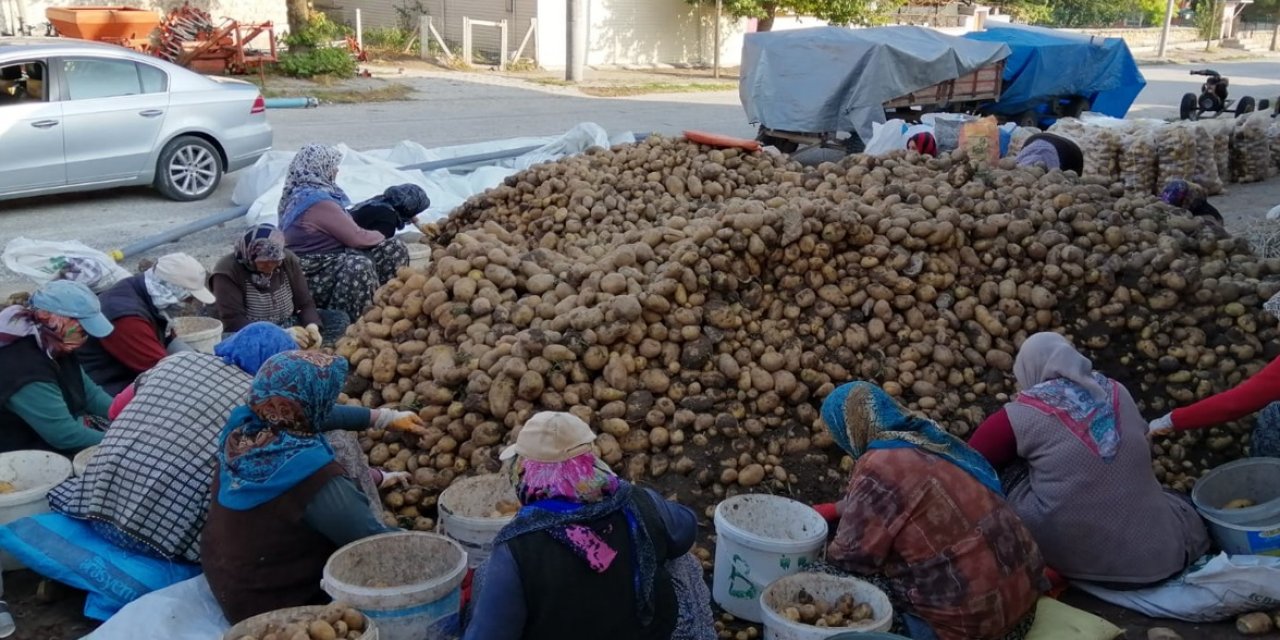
<point>402,421</point>
<point>307,337</point>
<point>394,478</point>
<point>1161,426</point>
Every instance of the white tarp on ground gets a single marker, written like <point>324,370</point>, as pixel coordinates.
<point>184,611</point>
<point>365,174</point>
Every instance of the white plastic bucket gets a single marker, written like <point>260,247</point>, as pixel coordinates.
<point>466,509</point>
<point>777,596</point>
<point>32,474</point>
<point>760,538</point>
<point>200,333</point>
<point>252,627</point>
<point>408,582</point>
<point>419,255</point>
<point>80,463</point>
<point>1252,530</point>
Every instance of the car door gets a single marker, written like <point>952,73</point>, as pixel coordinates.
<point>114,109</point>
<point>31,128</point>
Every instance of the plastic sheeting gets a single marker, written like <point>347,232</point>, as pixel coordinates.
<point>184,611</point>
<point>365,174</point>
<point>1046,63</point>
<point>836,79</point>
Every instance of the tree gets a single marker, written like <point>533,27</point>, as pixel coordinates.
<point>846,12</point>
<point>299,14</point>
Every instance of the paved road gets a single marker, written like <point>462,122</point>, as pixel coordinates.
<point>451,110</point>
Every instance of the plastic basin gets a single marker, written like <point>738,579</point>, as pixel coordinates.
<point>1252,530</point>
<point>759,539</point>
<point>407,582</point>
<point>32,474</point>
<point>252,627</point>
<point>200,333</point>
<point>466,509</point>
<point>783,592</point>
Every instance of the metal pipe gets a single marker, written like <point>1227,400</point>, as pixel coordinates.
<point>172,235</point>
<point>292,103</point>
<point>575,39</point>
<point>465,160</point>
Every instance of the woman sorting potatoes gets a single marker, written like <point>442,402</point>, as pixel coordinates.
<point>280,502</point>
<point>1077,469</point>
<point>925,520</point>
<point>588,555</point>
<point>344,264</point>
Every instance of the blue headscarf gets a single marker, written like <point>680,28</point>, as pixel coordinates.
<point>251,346</point>
<point>862,417</point>
<point>273,443</point>
<point>311,180</point>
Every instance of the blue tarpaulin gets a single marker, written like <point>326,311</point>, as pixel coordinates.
<point>1045,63</point>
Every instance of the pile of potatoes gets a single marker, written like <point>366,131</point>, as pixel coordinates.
<point>695,305</point>
<point>334,622</point>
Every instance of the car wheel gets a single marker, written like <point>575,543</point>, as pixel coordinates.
<point>1187,110</point>
<point>814,156</point>
<point>1246,105</point>
<point>189,169</point>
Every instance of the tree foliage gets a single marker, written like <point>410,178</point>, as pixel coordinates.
<point>842,12</point>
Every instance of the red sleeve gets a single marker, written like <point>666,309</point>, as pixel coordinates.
<point>995,441</point>
<point>1249,396</point>
<point>134,344</point>
<point>121,401</point>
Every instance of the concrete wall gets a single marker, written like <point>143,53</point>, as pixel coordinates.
<point>447,17</point>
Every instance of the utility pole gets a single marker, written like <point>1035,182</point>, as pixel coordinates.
<point>576,40</point>
<point>715,72</point>
<point>1164,31</point>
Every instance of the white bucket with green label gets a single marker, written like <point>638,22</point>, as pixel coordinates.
<point>760,538</point>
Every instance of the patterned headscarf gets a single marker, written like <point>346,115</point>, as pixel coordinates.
<point>1181,193</point>
<point>1058,381</point>
<point>262,243</point>
<point>55,334</point>
<point>923,143</point>
<point>862,416</point>
<point>253,345</point>
<point>565,499</point>
<point>311,179</point>
<point>273,443</point>
<point>163,294</point>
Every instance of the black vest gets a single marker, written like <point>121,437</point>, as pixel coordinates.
<point>564,598</point>
<point>26,363</point>
<point>127,298</point>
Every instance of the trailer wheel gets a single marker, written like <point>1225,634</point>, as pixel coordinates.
<point>1246,105</point>
<point>1028,118</point>
<point>814,156</point>
<point>1264,105</point>
<point>1075,107</point>
<point>1189,109</point>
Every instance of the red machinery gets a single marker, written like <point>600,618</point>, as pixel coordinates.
<point>186,36</point>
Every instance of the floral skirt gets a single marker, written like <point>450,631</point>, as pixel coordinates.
<point>346,280</point>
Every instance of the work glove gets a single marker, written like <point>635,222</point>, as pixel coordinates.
<point>394,478</point>
<point>402,421</point>
<point>307,337</point>
<point>1161,426</point>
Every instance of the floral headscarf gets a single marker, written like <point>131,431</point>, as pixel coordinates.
<point>55,334</point>
<point>565,499</point>
<point>273,443</point>
<point>253,345</point>
<point>1057,380</point>
<point>262,243</point>
<point>1181,193</point>
<point>311,179</point>
<point>862,416</point>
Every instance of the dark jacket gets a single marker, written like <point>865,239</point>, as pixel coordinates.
<point>564,597</point>
<point>127,298</point>
<point>268,557</point>
<point>230,282</point>
<point>26,363</point>
<point>378,216</point>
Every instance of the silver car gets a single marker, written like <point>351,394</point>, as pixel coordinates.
<point>78,115</point>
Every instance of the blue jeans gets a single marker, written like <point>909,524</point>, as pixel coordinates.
<point>917,628</point>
